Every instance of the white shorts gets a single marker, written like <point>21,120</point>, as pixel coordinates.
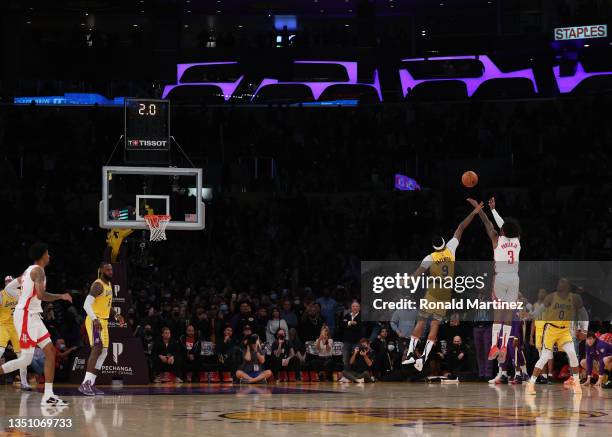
<point>506,287</point>
<point>31,329</point>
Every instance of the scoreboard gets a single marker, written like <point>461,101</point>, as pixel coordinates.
<point>147,125</point>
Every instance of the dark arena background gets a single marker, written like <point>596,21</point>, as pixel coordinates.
<point>216,184</point>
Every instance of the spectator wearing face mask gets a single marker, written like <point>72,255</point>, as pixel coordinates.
<point>283,355</point>
<point>62,360</point>
<point>457,357</point>
<point>274,324</point>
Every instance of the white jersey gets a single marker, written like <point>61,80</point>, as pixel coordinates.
<point>28,301</point>
<point>506,255</point>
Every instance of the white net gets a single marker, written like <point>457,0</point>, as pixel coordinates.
<point>157,225</point>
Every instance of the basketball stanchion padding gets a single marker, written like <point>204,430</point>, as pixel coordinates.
<point>157,225</point>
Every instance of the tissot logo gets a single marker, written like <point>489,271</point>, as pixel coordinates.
<point>148,143</point>
<point>117,350</point>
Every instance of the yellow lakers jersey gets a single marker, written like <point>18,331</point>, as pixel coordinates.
<point>102,303</point>
<point>443,265</point>
<point>561,310</point>
<point>6,308</point>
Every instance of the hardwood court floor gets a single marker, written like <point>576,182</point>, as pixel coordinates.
<point>406,409</point>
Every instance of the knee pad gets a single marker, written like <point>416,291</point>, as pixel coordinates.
<point>545,355</point>
<point>101,358</point>
<point>571,354</point>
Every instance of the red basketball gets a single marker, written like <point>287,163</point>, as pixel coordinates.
<point>469,179</point>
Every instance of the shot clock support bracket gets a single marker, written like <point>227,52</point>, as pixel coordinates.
<point>173,141</point>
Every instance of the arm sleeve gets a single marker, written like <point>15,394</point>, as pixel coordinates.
<point>427,261</point>
<point>498,220</point>
<point>452,245</point>
<point>12,288</point>
<point>88,307</point>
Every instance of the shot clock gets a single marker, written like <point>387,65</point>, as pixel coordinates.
<point>147,125</point>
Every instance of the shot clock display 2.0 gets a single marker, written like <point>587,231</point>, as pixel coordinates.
<point>147,124</point>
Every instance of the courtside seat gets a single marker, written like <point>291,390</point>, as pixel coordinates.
<point>209,94</point>
<point>594,85</point>
<point>284,93</point>
<point>437,90</point>
<point>509,88</point>
<point>362,93</point>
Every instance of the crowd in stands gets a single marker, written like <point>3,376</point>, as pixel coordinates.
<point>285,265</point>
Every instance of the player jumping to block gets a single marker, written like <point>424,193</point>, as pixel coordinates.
<point>29,325</point>
<point>506,250</point>
<point>440,263</point>
<point>98,306</point>
<point>562,307</point>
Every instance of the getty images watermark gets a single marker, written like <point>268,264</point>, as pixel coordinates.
<point>436,285</point>
<point>391,289</point>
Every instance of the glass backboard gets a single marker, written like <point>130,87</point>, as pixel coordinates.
<point>130,193</point>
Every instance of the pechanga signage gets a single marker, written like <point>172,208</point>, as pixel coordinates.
<point>581,32</point>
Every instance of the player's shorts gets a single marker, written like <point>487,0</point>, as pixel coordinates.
<point>539,332</point>
<point>103,334</point>
<point>438,314</point>
<point>31,329</point>
<point>9,333</point>
<point>506,287</point>
<point>556,335</point>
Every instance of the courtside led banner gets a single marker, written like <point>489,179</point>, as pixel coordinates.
<point>581,32</point>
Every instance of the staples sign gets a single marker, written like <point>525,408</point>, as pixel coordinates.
<point>581,32</point>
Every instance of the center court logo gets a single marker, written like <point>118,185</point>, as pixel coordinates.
<point>467,416</point>
<point>117,350</point>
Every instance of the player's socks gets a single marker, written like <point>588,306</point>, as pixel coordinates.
<point>428,347</point>
<point>48,389</point>
<point>410,355</point>
<point>495,334</point>
<point>532,380</point>
<point>89,377</point>
<point>506,331</point>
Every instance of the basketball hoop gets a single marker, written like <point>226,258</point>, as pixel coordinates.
<point>157,225</point>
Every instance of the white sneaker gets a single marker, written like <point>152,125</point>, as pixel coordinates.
<point>343,379</point>
<point>495,380</point>
<point>418,364</point>
<point>360,380</point>
<point>408,361</point>
<point>53,401</point>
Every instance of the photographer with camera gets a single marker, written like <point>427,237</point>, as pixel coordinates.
<point>360,363</point>
<point>283,355</point>
<point>253,358</point>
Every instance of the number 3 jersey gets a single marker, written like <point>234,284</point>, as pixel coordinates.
<point>506,255</point>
